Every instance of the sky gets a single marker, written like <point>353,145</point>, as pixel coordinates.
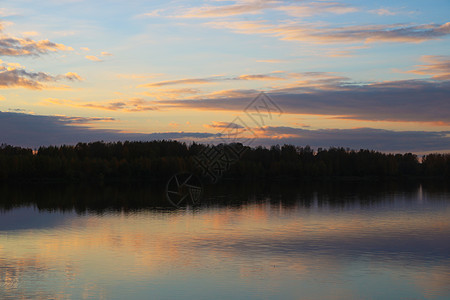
<point>357,74</point>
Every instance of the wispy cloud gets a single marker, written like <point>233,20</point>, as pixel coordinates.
<point>254,7</point>
<point>217,11</point>
<point>213,79</point>
<point>93,58</point>
<point>383,12</point>
<point>223,125</point>
<point>181,81</point>
<point>259,77</point>
<point>314,8</point>
<point>271,61</point>
<point>402,101</point>
<point>345,34</point>
<point>437,66</point>
<point>126,105</point>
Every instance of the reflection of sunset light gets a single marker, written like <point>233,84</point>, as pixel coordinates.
<point>147,244</point>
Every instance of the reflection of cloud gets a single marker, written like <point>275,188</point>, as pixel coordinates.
<point>434,282</point>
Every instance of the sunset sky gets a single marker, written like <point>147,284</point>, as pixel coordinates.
<point>358,74</point>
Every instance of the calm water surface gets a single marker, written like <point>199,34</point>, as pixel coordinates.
<point>320,241</point>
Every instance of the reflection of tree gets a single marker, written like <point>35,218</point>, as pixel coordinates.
<point>159,160</point>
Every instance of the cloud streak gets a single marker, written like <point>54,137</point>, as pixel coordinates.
<point>345,34</point>
<point>405,101</point>
<point>127,105</point>
<point>438,67</point>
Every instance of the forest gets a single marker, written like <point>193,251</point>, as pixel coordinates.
<point>159,160</point>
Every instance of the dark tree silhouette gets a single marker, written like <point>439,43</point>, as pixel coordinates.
<point>158,160</point>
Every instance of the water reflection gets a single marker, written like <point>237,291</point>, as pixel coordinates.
<point>311,240</point>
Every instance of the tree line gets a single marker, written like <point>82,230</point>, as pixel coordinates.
<point>159,160</point>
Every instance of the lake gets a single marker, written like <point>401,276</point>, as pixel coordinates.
<point>308,240</point>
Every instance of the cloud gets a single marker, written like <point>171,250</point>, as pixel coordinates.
<point>127,105</point>
<point>253,7</point>
<point>27,130</point>
<point>271,61</point>
<point>224,125</point>
<point>93,58</point>
<point>259,77</point>
<point>438,67</point>
<point>346,34</point>
<point>383,12</point>
<point>358,138</point>
<point>229,94</point>
<point>403,101</point>
<point>315,8</point>
<point>4,12</point>
<point>11,77</point>
<point>72,76</point>
<point>240,8</point>
<point>15,46</point>
<point>84,120</point>
<point>208,80</point>
<point>180,81</point>
<point>33,131</point>
<point>163,94</point>
<point>104,53</point>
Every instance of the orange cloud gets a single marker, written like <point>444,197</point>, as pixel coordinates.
<point>347,34</point>
<point>259,77</point>
<point>251,7</point>
<point>315,8</point>
<point>93,58</point>
<point>128,105</point>
<point>438,67</point>
<point>15,46</point>
<point>11,77</point>
<point>179,81</point>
